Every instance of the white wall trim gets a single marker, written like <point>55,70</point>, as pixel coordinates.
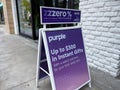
<point>15,18</point>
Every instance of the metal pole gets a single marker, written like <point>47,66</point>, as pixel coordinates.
<point>66,3</point>
<point>53,3</point>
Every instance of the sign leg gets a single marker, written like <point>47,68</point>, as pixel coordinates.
<point>89,84</point>
<point>37,77</point>
<point>37,84</point>
<point>38,60</point>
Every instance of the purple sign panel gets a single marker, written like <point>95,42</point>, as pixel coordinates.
<point>68,59</point>
<point>57,15</point>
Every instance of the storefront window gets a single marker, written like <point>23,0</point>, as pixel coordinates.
<point>60,3</point>
<point>76,4</point>
<point>73,4</point>
<point>25,18</point>
<point>29,14</point>
<point>1,14</point>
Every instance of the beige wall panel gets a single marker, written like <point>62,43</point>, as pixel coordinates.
<point>8,16</point>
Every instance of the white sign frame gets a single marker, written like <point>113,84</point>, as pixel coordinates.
<point>48,56</point>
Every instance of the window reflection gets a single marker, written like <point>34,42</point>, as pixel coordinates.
<point>62,3</point>
<point>76,4</point>
<point>25,18</point>
<point>26,11</point>
<point>73,4</point>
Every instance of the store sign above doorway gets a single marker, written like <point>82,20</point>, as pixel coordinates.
<point>51,15</point>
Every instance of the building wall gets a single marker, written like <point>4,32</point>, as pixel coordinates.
<point>7,8</point>
<point>101,28</point>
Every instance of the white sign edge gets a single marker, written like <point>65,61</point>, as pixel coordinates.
<point>48,60</point>
<point>38,58</point>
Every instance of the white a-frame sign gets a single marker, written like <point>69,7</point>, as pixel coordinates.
<point>62,57</point>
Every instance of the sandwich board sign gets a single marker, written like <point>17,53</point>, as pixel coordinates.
<point>61,56</point>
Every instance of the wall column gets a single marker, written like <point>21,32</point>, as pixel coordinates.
<point>7,8</point>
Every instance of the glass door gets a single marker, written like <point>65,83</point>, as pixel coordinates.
<point>36,14</point>
<point>25,17</point>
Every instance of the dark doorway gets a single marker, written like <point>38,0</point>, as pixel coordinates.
<point>1,14</point>
<point>36,14</point>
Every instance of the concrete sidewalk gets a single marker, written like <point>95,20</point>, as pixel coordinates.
<point>18,57</point>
